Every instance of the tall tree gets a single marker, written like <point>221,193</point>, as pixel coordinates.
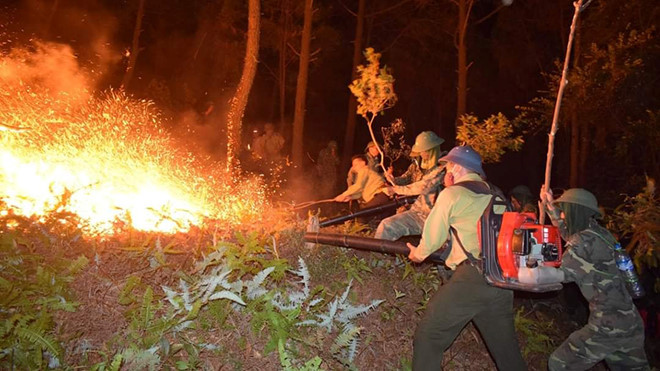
<point>239,101</point>
<point>135,47</point>
<point>463,19</point>
<point>352,102</point>
<point>464,10</point>
<point>285,20</point>
<point>301,87</point>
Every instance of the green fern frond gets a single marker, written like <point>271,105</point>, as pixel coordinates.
<point>345,340</point>
<point>78,265</point>
<point>126,296</point>
<point>41,339</point>
<point>116,362</point>
<point>146,309</point>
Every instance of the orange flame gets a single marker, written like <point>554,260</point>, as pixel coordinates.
<point>107,159</point>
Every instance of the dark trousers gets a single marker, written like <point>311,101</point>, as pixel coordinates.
<point>467,297</point>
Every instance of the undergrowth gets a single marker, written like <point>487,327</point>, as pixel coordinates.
<point>31,292</point>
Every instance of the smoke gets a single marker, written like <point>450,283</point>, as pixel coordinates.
<point>88,28</point>
<point>507,2</point>
<point>51,65</point>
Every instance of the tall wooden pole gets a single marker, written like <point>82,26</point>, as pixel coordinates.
<point>555,116</point>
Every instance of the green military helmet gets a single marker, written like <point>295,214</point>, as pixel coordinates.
<point>582,197</point>
<point>425,141</point>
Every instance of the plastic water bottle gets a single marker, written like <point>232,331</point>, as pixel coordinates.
<point>627,268</point>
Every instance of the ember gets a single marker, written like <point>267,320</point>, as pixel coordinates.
<point>106,158</point>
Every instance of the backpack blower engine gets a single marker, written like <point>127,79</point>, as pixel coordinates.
<point>520,242</point>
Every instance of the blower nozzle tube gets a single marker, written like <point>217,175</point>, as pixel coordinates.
<point>365,243</point>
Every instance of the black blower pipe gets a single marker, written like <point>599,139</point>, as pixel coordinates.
<point>365,243</point>
<point>406,200</point>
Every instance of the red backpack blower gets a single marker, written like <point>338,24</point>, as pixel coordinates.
<point>511,240</point>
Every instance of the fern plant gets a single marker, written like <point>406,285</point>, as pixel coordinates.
<point>31,292</point>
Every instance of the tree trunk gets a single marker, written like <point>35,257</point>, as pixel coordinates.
<point>284,24</point>
<point>352,102</point>
<point>135,47</point>
<point>301,88</point>
<point>239,101</point>
<point>464,8</point>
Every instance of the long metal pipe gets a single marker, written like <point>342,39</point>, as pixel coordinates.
<point>407,200</point>
<point>365,243</point>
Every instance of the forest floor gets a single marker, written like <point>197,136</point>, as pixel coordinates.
<point>111,292</point>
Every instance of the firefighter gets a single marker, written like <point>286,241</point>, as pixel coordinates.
<point>412,174</point>
<point>410,222</point>
<point>373,157</point>
<point>373,161</point>
<point>467,296</point>
<point>269,145</point>
<point>615,331</point>
<point>522,200</point>
<point>367,186</point>
<point>326,169</point>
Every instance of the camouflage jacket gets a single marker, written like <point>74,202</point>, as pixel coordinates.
<point>427,188</point>
<point>589,262</point>
<point>413,174</point>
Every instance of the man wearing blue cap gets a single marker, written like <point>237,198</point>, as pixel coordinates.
<point>467,296</point>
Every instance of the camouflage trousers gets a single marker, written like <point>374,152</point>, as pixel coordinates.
<point>588,346</point>
<point>407,223</point>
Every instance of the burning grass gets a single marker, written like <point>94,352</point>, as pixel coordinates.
<point>104,157</point>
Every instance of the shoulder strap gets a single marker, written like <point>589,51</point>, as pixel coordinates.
<point>475,186</point>
<point>469,255</point>
<point>486,188</point>
<point>609,241</point>
<point>498,198</point>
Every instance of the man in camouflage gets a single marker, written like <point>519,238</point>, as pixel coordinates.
<point>410,222</point>
<point>615,331</point>
<point>413,174</point>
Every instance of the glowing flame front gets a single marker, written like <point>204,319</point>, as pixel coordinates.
<point>106,159</point>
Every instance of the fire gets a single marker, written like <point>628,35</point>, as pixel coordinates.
<point>107,159</point>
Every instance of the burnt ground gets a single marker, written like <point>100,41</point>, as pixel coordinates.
<point>97,329</point>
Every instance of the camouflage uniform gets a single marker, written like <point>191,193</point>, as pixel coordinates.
<point>615,332</point>
<point>411,222</point>
<point>413,174</point>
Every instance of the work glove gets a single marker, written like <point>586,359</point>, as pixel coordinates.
<point>540,275</point>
